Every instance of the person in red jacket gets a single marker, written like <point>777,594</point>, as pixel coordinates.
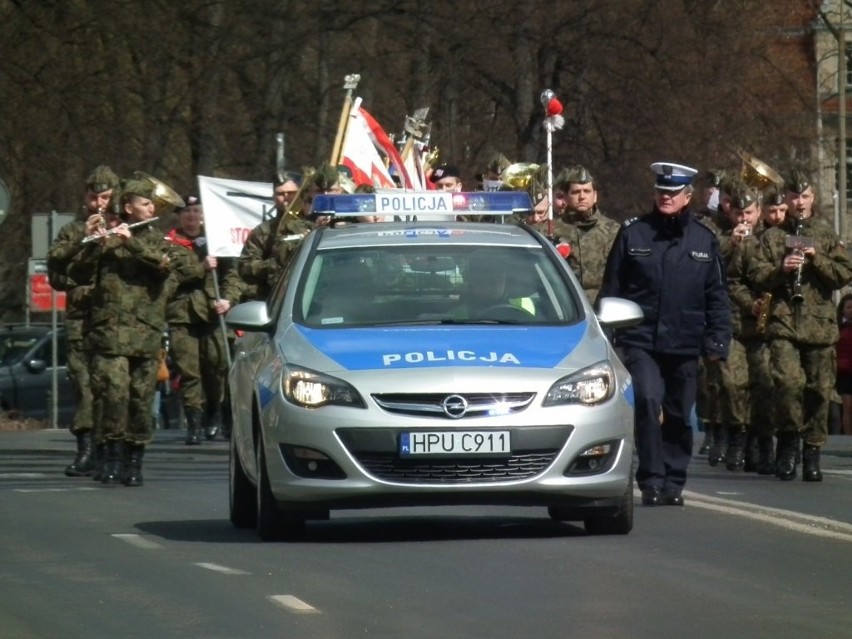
<point>844,362</point>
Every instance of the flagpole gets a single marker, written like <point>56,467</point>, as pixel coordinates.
<point>349,83</point>
<point>553,121</point>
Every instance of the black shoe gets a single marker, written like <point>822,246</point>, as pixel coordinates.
<point>113,472</point>
<point>708,440</point>
<point>810,463</point>
<point>652,496</point>
<point>213,423</point>
<point>133,471</point>
<point>84,463</point>
<point>193,426</point>
<point>785,456</point>
<point>673,499</point>
<point>735,457</point>
<point>720,445</point>
<point>765,456</point>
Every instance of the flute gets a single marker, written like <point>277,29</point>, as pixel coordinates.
<point>112,231</point>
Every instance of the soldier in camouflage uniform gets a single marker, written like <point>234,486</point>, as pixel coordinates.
<point>708,401</point>
<point>801,274</point>
<point>735,242</point>
<point>270,245</point>
<point>197,342</point>
<point>101,186</point>
<point>749,309</point>
<point>130,270</point>
<point>584,228</point>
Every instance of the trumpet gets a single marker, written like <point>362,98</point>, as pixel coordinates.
<point>114,230</point>
<point>763,315</point>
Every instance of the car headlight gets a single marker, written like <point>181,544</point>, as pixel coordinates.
<point>589,386</point>
<point>311,389</point>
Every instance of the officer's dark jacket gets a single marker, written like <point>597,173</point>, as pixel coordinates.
<point>672,268</point>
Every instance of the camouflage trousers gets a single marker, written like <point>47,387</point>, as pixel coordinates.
<point>125,388</point>
<point>803,377</point>
<point>708,405</point>
<point>78,374</point>
<point>762,402</point>
<point>198,353</point>
<point>734,387</point>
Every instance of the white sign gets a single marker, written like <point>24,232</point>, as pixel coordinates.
<point>232,208</point>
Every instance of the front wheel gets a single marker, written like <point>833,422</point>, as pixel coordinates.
<point>241,494</point>
<point>620,524</point>
<point>272,523</point>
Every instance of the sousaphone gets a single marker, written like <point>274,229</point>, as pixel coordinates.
<point>758,174</point>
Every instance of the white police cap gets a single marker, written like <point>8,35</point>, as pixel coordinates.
<point>672,177</point>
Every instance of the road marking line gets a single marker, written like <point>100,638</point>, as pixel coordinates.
<point>137,540</point>
<point>23,475</point>
<point>223,569</point>
<point>50,490</point>
<point>791,520</point>
<point>294,604</point>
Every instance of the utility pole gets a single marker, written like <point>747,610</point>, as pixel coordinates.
<point>841,127</point>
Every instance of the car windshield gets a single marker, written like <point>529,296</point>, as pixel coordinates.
<point>14,347</point>
<point>436,284</point>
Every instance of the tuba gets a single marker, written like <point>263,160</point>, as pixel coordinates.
<point>520,176</point>
<point>758,174</point>
<point>162,195</point>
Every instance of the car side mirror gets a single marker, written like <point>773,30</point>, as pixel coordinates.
<point>37,366</point>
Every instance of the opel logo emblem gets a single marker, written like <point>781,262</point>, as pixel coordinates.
<point>454,406</point>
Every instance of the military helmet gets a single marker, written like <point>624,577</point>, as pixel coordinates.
<point>497,164</point>
<point>101,179</point>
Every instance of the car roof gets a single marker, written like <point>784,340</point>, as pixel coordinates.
<point>363,234</point>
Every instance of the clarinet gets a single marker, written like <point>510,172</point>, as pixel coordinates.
<point>798,246</point>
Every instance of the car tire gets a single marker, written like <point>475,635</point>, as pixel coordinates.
<point>620,524</point>
<point>241,493</point>
<point>272,523</point>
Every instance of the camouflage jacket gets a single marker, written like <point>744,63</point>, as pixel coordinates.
<point>131,282</point>
<point>590,240</point>
<point>812,321</point>
<point>268,250</point>
<point>743,292</point>
<point>192,300</point>
<point>68,243</point>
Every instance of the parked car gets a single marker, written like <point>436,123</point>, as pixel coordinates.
<point>429,363</point>
<point>26,373</point>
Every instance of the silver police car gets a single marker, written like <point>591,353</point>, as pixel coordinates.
<point>419,361</point>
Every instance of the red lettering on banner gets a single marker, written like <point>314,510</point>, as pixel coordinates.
<point>239,235</point>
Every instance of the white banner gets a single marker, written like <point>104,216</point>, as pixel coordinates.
<point>232,208</point>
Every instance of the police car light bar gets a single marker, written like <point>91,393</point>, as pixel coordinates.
<point>423,204</point>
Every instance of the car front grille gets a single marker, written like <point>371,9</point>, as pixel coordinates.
<point>435,404</point>
<point>390,467</point>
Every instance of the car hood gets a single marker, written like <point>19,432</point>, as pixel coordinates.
<point>406,347</point>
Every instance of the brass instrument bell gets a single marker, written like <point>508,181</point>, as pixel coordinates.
<point>162,195</point>
<point>758,174</point>
<point>519,176</point>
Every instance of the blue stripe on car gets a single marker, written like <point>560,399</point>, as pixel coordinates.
<point>418,347</point>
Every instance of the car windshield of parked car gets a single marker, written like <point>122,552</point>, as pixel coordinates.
<point>434,284</point>
<point>14,347</point>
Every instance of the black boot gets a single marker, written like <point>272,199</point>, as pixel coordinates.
<point>707,444</point>
<point>752,453</point>
<point>100,461</point>
<point>735,457</point>
<point>785,456</point>
<point>193,426</point>
<point>84,463</point>
<point>810,463</point>
<point>213,423</point>
<point>133,471</point>
<point>765,456</point>
<point>720,445</point>
<point>114,465</point>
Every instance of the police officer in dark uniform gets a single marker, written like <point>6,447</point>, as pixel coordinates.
<point>668,263</point>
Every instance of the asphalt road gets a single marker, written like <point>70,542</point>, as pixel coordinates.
<point>747,557</point>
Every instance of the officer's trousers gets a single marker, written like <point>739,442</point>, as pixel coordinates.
<point>664,385</point>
